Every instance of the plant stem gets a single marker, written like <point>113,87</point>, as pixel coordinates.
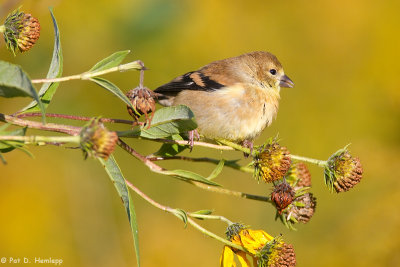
<point>235,146</point>
<point>230,164</point>
<point>53,127</point>
<point>210,217</point>
<point>195,143</point>
<point>88,75</point>
<point>41,139</point>
<point>189,220</point>
<point>320,163</point>
<point>158,169</point>
<point>73,117</point>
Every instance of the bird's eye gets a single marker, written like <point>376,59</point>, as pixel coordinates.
<point>272,71</point>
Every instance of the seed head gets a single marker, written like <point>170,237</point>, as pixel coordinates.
<point>298,175</point>
<point>21,31</point>
<point>143,100</point>
<point>97,141</point>
<point>282,196</point>
<point>343,171</point>
<point>272,162</point>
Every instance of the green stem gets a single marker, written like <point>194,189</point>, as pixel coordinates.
<point>231,164</point>
<point>41,139</point>
<point>189,220</point>
<point>320,163</point>
<point>158,169</point>
<point>234,146</point>
<point>210,217</point>
<point>88,75</point>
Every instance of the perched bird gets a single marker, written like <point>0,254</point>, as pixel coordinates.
<point>233,98</point>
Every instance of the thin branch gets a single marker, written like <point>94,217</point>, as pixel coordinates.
<point>189,220</point>
<point>204,159</point>
<point>41,139</point>
<point>195,143</point>
<point>53,127</point>
<point>73,117</point>
<point>320,163</point>
<point>158,169</point>
<point>88,75</point>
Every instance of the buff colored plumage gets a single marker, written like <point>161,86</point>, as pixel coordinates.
<point>233,98</point>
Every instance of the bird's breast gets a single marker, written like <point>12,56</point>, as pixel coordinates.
<point>235,112</point>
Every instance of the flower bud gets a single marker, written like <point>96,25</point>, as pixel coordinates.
<point>97,141</point>
<point>21,31</point>
<point>143,100</point>
<point>272,163</point>
<point>342,171</point>
<point>282,196</point>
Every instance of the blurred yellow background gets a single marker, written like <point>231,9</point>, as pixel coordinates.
<point>344,59</point>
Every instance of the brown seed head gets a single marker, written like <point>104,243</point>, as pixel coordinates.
<point>272,163</point>
<point>303,208</point>
<point>343,171</point>
<point>143,100</point>
<point>282,196</point>
<point>22,31</point>
<point>299,175</point>
<point>98,141</point>
<point>285,257</point>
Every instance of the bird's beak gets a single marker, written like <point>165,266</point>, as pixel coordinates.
<point>286,82</point>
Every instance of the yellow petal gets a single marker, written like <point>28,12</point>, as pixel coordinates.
<point>242,259</point>
<point>227,259</point>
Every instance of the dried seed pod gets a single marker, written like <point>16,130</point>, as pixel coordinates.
<point>282,196</point>
<point>272,163</point>
<point>143,100</point>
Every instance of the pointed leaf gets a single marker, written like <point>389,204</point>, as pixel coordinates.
<point>116,176</point>
<point>181,214</point>
<point>2,159</point>
<point>170,150</point>
<point>7,146</point>
<point>48,90</point>
<point>203,212</point>
<point>113,89</point>
<point>170,121</point>
<point>110,61</point>
<point>217,170</point>
<point>189,176</point>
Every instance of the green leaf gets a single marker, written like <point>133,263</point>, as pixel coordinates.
<point>170,150</point>
<point>116,176</point>
<point>48,90</point>
<point>113,89</point>
<point>181,214</point>
<point>189,176</point>
<point>203,212</point>
<point>3,160</point>
<point>168,121</point>
<point>15,82</point>
<point>217,170</point>
<point>110,62</point>
<point>8,146</point>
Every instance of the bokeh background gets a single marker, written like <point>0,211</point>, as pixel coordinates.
<point>343,57</point>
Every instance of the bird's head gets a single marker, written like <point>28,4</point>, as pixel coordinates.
<point>269,71</point>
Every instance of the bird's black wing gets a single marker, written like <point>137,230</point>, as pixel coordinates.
<point>194,80</point>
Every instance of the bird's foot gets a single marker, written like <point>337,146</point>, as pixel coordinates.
<point>193,134</point>
<point>248,144</point>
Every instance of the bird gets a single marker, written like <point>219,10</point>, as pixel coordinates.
<point>232,99</point>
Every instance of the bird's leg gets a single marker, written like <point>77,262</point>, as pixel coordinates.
<point>248,144</point>
<point>192,134</point>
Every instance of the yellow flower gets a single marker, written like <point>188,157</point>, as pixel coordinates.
<point>262,249</point>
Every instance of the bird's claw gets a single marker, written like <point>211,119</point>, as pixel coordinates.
<point>192,134</point>
<point>248,144</point>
